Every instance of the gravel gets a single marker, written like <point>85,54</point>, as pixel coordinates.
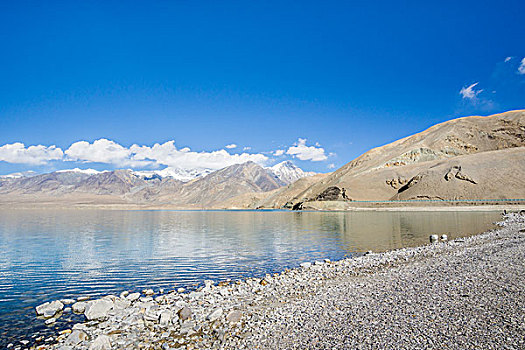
<point>461,294</point>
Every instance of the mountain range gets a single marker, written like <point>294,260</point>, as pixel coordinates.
<point>198,188</point>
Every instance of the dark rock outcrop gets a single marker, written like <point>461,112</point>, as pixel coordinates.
<point>332,193</point>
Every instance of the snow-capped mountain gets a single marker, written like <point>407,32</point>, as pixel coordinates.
<point>183,175</point>
<point>288,172</point>
<point>28,173</point>
<point>81,171</point>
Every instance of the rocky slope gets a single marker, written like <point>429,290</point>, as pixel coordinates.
<point>380,173</point>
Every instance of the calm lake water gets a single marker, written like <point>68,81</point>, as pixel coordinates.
<point>47,255</point>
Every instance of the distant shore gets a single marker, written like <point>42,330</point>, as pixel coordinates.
<point>308,206</point>
<point>465,293</point>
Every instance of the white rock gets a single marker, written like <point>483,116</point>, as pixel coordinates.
<point>77,336</point>
<point>444,238</point>
<point>98,309</point>
<point>149,292</point>
<point>50,321</point>
<point>67,301</point>
<point>49,309</point>
<point>165,317</point>
<point>433,238</point>
<point>133,296</point>
<point>215,314</point>
<point>181,290</point>
<point>79,307</point>
<point>101,343</point>
<point>122,304</point>
<point>306,265</point>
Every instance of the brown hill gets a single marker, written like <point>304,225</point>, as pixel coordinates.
<point>381,172</point>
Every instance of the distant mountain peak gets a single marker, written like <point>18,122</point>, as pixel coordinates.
<point>288,172</point>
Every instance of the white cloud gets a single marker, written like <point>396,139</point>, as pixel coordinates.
<point>231,146</point>
<point>166,154</point>
<point>521,68</point>
<point>508,58</point>
<point>103,151</point>
<point>278,152</point>
<point>36,155</point>
<point>247,148</point>
<point>469,92</point>
<point>331,166</point>
<point>303,152</point>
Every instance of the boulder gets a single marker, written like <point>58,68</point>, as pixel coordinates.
<point>98,309</point>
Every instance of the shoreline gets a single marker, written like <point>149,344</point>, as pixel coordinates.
<point>240,314</point>
<point>406,208</point>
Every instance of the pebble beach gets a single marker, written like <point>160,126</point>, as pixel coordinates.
<point>462,294</point>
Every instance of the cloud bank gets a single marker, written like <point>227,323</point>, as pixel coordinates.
<point>159,155</point>
<point>166,154</point>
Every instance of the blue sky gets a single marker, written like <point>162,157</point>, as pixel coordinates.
<point>315,82</point>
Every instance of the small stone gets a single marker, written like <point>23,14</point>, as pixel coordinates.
<point>234,316</point>
<point>306,265</point>
<point>67,301</point>
<point>215,314</point>
<point>133,296</point>
<point>102,342</point>
<point>184,313</point>
<point>24,342</point>
<point>124,294</point>
<point>164,318</point>
<point>149,292</point>
<point>444,238</point>
<point>433,238</point>
<point>50,321</point>
<point>83,298</point>
<point>67,310</point>
<point>181,290</point>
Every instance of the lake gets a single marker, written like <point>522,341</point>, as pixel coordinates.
<point>47,255</point>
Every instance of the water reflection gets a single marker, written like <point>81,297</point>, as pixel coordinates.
<point>55,254</point>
